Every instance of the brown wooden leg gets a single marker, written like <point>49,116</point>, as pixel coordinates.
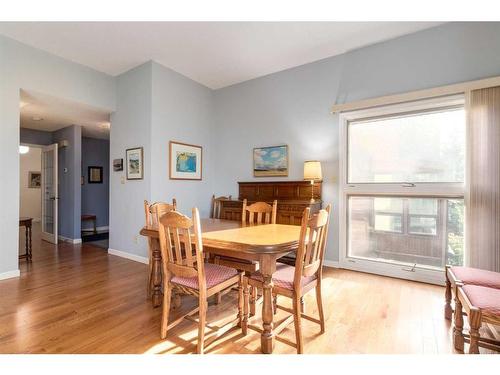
<point>302,305</point>
<point>448,311</point>
<point>244,323</point>
<point>157,276</point>
<point>166,311</point>
<point>26,245</point>
<point>268,266</point>
<point>240,300</point>
<point>297,322</point>
<point>30,243</point>
<point>458,337</point>
<point>150,276</point>
<point>319,301</point>
<point>475,324</point>
<point>201,323</point>
<point>253,299</point>
<point>218,296</point>
<point>275,304</point>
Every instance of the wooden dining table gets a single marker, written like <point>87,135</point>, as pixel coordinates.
<point>262,243</point>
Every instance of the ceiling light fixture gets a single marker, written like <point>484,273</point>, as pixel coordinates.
<point>23,149</point>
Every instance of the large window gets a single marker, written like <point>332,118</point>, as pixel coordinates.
<point>403,179</point>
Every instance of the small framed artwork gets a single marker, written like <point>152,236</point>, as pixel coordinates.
<point>185,161</point>
<point>135,163</point>
<point>270,161</point>
<point>95,175</point>
<point>34,180</point>
<point>118,165</point>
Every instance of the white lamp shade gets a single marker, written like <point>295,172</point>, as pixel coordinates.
<point>312,170</point>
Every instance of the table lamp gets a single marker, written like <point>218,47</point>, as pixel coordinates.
<point>312,172</point>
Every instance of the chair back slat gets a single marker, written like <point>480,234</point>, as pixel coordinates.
<point>182,252</point>
<point>259,213</point>
<point>155,210</point>
<point>216,206</point>
<point>312,244</point>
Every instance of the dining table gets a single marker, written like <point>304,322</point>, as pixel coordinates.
<point>264,243</point>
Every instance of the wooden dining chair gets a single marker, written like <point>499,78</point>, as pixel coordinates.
<point>259,213</point>
<point>295,282</point>
<point>216,206</point>
<point>153,212</point>
<point>254,214</point>
<point>185,270</point>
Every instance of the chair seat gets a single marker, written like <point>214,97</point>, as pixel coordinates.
<point>283,277</point>
<point>476,276</point>
<point>486,299</point>
<point>214,275</point>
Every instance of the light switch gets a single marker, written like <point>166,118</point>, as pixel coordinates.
<point>122,180</point>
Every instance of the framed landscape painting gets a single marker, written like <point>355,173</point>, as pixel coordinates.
<point>135,163</point>
<point>185,161</point>
<point>270,161</point>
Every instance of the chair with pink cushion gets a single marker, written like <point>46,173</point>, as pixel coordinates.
<point>185,270</point>
<point>481,304</point>
<point>295,281</point>
<point>466,276</point>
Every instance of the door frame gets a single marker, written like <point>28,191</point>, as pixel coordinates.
<point>51,237</point>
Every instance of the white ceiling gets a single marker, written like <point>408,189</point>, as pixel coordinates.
<point>215,54</point>
<point>57,113</point>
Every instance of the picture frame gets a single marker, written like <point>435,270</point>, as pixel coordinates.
<point>34,180</point>
<point>186,161</point>
<point>270,161</point>
<point>118,165</point>
<point>134,158</point>
<point>95,175</point>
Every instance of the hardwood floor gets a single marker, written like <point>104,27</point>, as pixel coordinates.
<point>79,299</point>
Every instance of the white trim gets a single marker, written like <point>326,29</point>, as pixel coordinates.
<point>123,254</point>
<point>70,240</point>
<point>331,263</point>
<point>10,274</point>
<point>458,88</point>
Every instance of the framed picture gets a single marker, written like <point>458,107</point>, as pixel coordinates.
<point>34,180</point>
<point>135,163</point>
<point>270,161</point>
<point>118,165</point>
<point>95,175</point>
<point>185,161</point>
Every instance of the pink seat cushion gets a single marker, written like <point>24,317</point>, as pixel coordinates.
<point>487,299</point>
<point>283,277</point>
<point>475,276</point>
<point>214,275</point>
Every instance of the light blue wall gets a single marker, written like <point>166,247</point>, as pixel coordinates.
<point>130,128</point>
<point>293,107</point>
<point>35,137</point>
<point>23,67</point>
<point>69,168</point>
<point>182,111</point>
<point>95,197</point>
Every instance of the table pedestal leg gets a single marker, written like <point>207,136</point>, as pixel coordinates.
<point>268,267</point>
<point>156,297</point>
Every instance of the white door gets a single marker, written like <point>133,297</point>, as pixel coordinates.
<point>50,196</point>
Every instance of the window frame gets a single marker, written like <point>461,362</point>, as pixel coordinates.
<point>433,189</point>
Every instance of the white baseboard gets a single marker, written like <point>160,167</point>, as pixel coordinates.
<point>9,274</point>
<point>123,254</point>
<point>99,229</point>
<point>331,263</point>
<point>70,240</point>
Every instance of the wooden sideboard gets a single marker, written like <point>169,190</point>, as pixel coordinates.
<point>292,196</point>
